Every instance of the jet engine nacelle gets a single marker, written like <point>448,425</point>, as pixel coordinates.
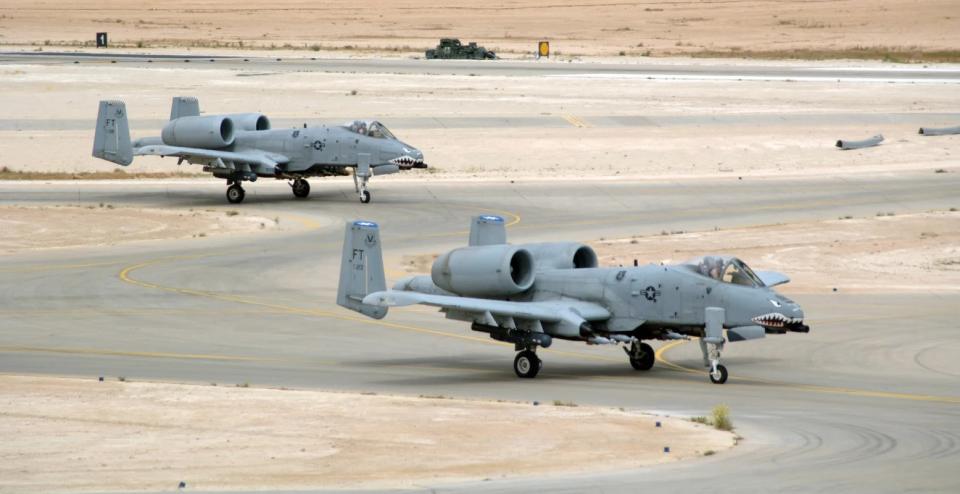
<point>210,132</point>
<point>562,255</point>
<point>489,270</point>
<point>249,121</point>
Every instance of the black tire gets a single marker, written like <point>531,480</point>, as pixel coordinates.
<point>301,189</point>
<point>645,361</point>
<point>723,375</point>
<point>235,194</point>
<point>365,196</point>
<point>527,364</point>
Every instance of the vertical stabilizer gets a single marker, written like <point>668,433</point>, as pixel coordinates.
<point>361,268</point>
<point>111,141</point>
<point>184,106</point>
<point>487,230</point>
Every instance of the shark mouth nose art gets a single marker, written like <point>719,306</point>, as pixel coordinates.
<point>777,320</point>
<point>407,162</point>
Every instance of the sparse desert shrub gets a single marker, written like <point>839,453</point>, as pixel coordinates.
<point>721,418</point>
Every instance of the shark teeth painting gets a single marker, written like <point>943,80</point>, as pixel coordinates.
<point>407,161</point>
<point>776,320</point>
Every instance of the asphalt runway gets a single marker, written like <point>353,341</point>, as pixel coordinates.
<point>869,401</point>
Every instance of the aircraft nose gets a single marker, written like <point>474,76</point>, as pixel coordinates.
<point>798,326</point>
<point>797,311</point>
<point>417,156</point>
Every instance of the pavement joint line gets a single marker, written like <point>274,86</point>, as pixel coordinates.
<point>726,209</point>
<point>515,219</point>
<point>120,312</point>
<point>660,355</point>
<point>123,353</point>
<point>55,267</point>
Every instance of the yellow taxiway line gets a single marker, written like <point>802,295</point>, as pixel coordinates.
<point>576,122</point>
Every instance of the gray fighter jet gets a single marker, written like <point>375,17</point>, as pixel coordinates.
<point>242,146</point>
<point>531,294</point>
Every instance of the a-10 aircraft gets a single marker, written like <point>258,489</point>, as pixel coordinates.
<point>241,147</point>
<point>531,294</point>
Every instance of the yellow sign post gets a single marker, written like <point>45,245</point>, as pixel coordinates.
<point>543,49</point>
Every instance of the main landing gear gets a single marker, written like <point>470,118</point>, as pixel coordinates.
<point>235,193</point>
<point>527,364</point>
<point>641,355</point>
<point>301,188</point>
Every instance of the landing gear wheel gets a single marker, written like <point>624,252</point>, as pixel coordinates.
<point>301,188</point>
<point>720,376</point>
<point>365,196</point>
<point>235,194</point>
<point>527,364</point>
<point>642,360</point>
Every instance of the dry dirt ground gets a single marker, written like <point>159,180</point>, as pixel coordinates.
<point>28,228</point>
<point>585,27</point>
<point>893,254</point>
<point>76,435</point>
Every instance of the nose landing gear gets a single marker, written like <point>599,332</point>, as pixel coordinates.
<point>718,374</point>
<point>712,344</point>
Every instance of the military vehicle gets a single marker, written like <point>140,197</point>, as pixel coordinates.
<point>532,294</point>
<point>452,48</point>
<point>240,147</point>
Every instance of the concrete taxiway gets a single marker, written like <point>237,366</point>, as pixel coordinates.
<point>651,70</point>
<point>867,402</point>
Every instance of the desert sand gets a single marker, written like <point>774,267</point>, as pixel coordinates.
<point>587,27</point>
<point>76,435</point>
<point>30,228</point>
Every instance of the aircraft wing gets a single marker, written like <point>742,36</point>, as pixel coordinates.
<point>252,157</point>
<point>772,278</point>
<point>573,311</point>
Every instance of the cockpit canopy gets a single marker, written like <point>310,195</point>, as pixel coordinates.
<point>370,128</point>
<point>727,269</point>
